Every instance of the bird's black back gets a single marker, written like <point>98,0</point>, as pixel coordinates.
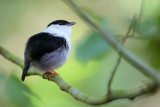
<point>42,43</point>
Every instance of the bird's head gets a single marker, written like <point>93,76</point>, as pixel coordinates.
<point>61,23</point>
<point>60,27</point>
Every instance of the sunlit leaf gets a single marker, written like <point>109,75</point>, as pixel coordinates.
<point>93,47</point>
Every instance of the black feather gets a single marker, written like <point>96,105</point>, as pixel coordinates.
<point>59,22</point>
<point>26,67</point>
<point>40,44</point>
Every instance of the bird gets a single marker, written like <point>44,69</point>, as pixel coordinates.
<point>50,49</point>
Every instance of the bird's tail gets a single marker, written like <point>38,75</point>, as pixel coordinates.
<point>26,67</point>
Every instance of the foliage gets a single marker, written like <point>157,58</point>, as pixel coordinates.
<point>93,47</point>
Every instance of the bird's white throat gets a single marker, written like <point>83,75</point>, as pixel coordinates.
<point>60,30</point>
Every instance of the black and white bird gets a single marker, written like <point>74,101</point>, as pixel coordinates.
<point>49,49</point>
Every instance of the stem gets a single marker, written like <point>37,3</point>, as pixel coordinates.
<point>118,61</point>
<point>8,55</point>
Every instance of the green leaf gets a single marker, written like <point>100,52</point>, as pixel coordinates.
<point>93,47</point>
<point>153,52</point>
<point>148,28</point>
<point>18,92</point>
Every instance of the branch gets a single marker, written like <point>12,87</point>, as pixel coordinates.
<point>8,55</point>
<point>138,19</point>
<point>115,95</point>
<point>132,28</point>
<point>142,66</point>
<point>118,61</point>
<point>110,79</point>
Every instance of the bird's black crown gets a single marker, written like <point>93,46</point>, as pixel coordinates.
<point>59,22</point>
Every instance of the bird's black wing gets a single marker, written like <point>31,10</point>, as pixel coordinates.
<point>42,43</point>
<point>38,45</point>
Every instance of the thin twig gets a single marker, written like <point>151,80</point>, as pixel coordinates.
<point>8,55</point>
<point>131,28</point>
<point>118,61</point>
<point>132,37</point>
<point>138,19</point>
<point>110,79</point>
<point>141,10</point>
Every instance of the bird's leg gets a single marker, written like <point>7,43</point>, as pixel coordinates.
<point>44,74</point>
<point>53,73</point>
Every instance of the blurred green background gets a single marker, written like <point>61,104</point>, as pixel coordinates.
<point>91,58</point>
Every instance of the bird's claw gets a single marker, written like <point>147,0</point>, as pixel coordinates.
<point>44,74</point>
<point>53,73</point>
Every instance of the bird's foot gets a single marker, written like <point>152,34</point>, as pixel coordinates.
<point>44,74</point>
<point>53,73</point>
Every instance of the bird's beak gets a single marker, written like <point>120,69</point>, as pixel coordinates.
<point>71,23</point>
